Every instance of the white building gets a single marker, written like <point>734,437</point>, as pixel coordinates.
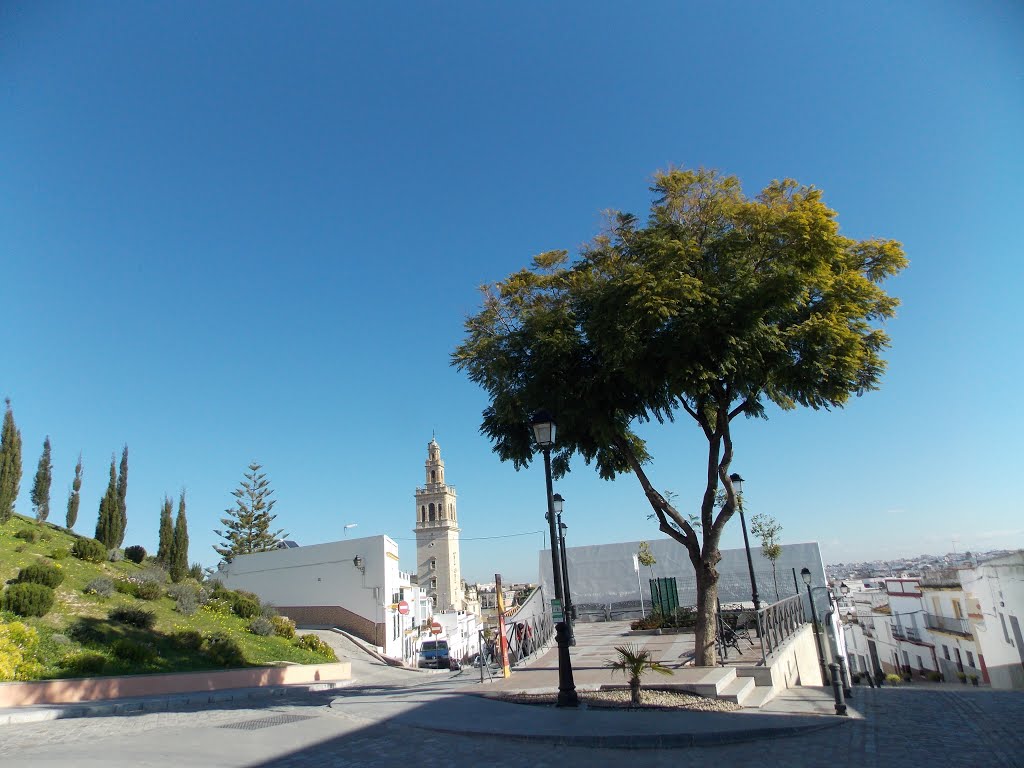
<point>462,630</point>
<point>353,584</point>
<point>995,610</point>
<point>950,632</point>
<point>438,567</point>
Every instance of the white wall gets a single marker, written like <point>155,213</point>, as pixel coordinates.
<point>995,591</point>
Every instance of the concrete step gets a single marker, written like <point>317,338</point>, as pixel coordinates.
<point>738,690</point>
<point>705,681</point>
<point>758,697</point>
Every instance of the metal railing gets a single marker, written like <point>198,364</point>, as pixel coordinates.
<point>947,624</point>
<point>913,634</point>
<point>898,632</point>
<point>778,622</point>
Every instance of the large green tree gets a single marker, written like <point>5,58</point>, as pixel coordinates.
<point>10,464</point>
<point>74,497</point>
<point>109,517</point>
<point>122,497</point>
<point>41,485</point>
<point>178,564</point>
<point>163,552</point>
<point>247,526</point>
<point>716,307</point>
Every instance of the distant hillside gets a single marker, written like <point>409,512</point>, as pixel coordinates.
<point>104,630</point>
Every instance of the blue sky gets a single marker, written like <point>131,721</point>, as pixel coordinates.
<point>253,231</point>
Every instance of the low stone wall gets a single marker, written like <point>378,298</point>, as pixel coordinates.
<point>327,616</point>
<point>75,690</point>
<point>795,662</point>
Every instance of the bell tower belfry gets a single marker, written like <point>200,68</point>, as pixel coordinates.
<point>437,536</point>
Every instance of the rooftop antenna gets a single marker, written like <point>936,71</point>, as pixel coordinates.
<point>350,525</point>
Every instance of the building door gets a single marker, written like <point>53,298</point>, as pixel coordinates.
<point>959,660</point>
<point>873,652</point>
<point>1015,626</point>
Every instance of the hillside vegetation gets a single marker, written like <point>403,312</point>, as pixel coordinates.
<point>115,618</point>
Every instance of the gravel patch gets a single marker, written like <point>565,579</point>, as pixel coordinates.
<point>619,699</point>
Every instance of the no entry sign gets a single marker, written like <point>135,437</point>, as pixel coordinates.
<point>403,608</point>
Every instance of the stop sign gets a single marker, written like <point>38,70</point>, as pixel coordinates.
<point>403,608</point>
<point>436,628</point>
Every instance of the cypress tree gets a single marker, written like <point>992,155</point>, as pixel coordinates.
<point>10,464</point>
<point>179,545</point>
<point>247,525</point>
<point>122,498</point>
<point>73,497</point>
<point>163,552</point>
<point>41,486</point>
<point>106,525</point>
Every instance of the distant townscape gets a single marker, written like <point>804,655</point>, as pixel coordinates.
<point>910,566</point>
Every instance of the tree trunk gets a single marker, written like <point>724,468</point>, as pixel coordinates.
<point>775,578</point>
<point>634,691</point>
<point>704,652</point>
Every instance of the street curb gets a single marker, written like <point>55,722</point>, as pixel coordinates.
<point>156,704</point>
<point>637,742</point>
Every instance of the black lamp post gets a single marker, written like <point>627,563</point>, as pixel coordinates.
<point>562,527</point>
<point>805,574</point>
<point>737,485</point>
<point>543,425</point>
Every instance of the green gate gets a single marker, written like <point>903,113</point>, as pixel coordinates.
<point>664,596</point>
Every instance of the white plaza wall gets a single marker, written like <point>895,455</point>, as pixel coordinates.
<point>603,573</point>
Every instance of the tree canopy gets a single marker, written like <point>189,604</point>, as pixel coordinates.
<point>248,523</point>
<point>718,306</point>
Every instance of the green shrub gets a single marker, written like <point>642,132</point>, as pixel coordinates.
<point>126,587</point>
<point>100,586</point>
<point>283,626</point>
<point>136,553</point>
<point>261,626</point>
<point>40,573</point>
<point>893,679</point>
<point>246,607</point>
<point>934,676</point>
<point>45,536</point>
<point>195,571</point>
<point>90,550</point>
<point>268,610</point>
<point>27,599</point>
<point>115,555</point>
<point>316,645</point>
<point>60,639</point>
<point>224,650</point>
<point>30,535</point>
<point>182,588</point>
<point>86,632</point>
<point>18,643</point>
<point>149,590</point>
<point>153,573</point>
<point>133,650</point>
<point>187,639</point>
<point>60,553</point>
<point>136,617</point>
<point>84,663</point>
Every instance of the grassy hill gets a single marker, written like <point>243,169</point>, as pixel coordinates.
<point>78,638</point>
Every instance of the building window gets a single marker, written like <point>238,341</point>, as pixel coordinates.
<point>423,514</point>
<point>433,583</point>
<point>433,476</point>
<point>945,650</point>
<point>970,659</point>
<point>431,510</point>
<point>433,563</point>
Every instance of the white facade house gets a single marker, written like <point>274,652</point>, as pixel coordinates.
<point>949,630</point>
<point>913,649</point>
<point>995,610</point>
<point>353,584</point>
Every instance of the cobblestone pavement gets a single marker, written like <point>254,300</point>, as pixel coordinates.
<point>938,728</point>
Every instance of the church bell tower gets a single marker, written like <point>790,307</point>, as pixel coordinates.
<point>437,536</point>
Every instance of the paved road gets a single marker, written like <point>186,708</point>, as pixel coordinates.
<point>933,727</point>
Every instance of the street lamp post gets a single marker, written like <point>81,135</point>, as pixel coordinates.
<point>805,574</point>
<point>562,527</point>
<point>737,484</point>
<point>543,425</point>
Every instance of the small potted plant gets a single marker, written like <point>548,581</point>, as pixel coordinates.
<point>962,677</point>
<point>974,680</point>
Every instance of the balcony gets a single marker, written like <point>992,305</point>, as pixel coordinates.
<point>898,632</point>
<point>947,624</point>
<point>913,634</point>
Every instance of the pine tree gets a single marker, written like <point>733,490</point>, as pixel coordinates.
<point>248,522</point>
<point>10,464</point>
<point>163,552</point>
<point>122,498</point>
<point>73,497</point>
<point>179,545</point>
<point>106,525</point>
<point>41,486</point>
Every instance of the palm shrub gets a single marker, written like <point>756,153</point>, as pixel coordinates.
<point>89,550</point>
<point>27,599</point>
<point>634,663</point>
<point>40,573</point>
